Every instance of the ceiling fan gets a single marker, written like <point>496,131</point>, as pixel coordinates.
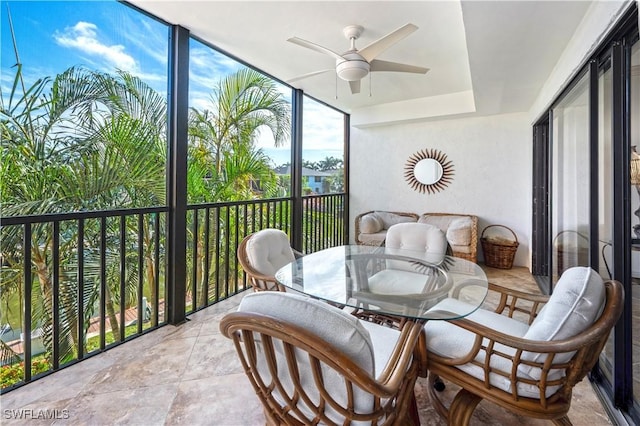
<point>354,64</point>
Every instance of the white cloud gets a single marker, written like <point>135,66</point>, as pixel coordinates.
<point>83,36</point>
<point>323,128</point>
<point>147,37</point>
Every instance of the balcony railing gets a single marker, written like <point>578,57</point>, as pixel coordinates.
<point>80,283</point>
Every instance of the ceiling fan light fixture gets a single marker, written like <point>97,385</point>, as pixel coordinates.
<point>355,64</point>
<point>352,69</point>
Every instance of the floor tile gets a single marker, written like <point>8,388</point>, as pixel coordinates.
<point>190,374</point>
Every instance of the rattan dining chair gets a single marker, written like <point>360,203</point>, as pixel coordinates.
<point>413,280</point>
<point>528,367</point>
<point>312,363</point>
<point>261,254</point>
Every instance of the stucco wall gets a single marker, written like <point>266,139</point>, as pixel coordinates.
<point>492,159</point>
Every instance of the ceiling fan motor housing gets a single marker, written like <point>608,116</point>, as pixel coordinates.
<point>353,67</point>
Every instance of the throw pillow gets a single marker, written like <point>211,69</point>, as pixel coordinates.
<point>370,224</point>
<point>459,231</point>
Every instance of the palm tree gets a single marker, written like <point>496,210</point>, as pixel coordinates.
<point>75,142</point>
<point>224,163</point>
<point>242,104</point>
<point>86,140</point>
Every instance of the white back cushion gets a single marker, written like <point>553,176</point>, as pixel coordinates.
<point>574,305</point>
<point>576,302</point>
<point>420,237</point>
<point>338,328</point>
<point>268,250</point>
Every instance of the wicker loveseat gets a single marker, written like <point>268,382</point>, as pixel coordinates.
<point>461,229</point>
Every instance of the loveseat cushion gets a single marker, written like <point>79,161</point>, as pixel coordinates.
<point>376,239</point>
<point>442,221</point>
<point>389,219</point>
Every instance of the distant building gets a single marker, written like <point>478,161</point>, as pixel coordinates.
<point>317,180</point>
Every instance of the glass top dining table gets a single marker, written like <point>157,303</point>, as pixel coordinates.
<point>395,282</point>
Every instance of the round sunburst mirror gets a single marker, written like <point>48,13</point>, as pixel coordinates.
<point>428,171</point>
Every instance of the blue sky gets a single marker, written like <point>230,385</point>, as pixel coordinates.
<point>51,36</point>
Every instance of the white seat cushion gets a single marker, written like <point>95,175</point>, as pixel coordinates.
<point>339,328</point>
<point>398,281</point>
<point>451,341</point>
<point>384,340</point>
<point>441,221</point>
<point>268,250</point>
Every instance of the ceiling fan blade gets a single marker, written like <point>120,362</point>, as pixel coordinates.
<point>355,86</point>
<point>313,46</point>
<point>378,65</point>
<point>311,74</point>
<point>377,47</point>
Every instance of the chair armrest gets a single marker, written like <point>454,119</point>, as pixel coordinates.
<point>599,330</point>
<point>511,301</point>
<point>587,346</point>
<point>496,337</point>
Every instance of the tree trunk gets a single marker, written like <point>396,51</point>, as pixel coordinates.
<point>111,313</point>
<point>151,281</point>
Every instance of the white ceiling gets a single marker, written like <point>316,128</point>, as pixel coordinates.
<point>485,57</point>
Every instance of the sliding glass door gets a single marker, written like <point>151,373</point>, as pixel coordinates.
<point>590,215</point>
<point>570,180</point>
<point>634,294</point>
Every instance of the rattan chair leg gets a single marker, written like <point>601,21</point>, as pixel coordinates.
<point>562,421</point>
<point>462,408</point>
<point>434,398</point>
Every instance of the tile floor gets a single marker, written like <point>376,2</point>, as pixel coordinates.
<point>190,375</point>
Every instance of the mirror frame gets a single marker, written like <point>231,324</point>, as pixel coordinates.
<point>440,184</point>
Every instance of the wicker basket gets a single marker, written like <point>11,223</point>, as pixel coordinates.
<point>499,253</point>
<point>571,255</point>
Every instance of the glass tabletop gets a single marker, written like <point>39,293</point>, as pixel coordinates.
<point>389,281</point>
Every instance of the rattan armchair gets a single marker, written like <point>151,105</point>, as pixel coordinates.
<point>337,371</point>
<point>530,377</point>
<point>261,254</point>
